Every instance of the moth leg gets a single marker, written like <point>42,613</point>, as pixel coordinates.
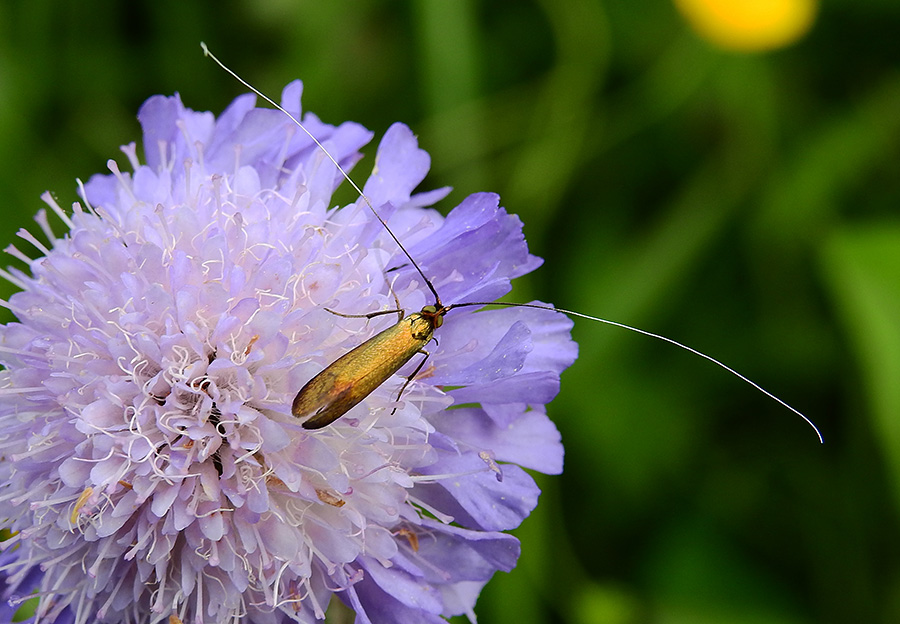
<point>409,379</point>
<point>399,311</point>
<point>370,315</point>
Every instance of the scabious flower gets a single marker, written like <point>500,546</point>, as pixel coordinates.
<point>149,462</point>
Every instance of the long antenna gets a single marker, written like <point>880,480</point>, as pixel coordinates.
<point>651,335</point>
<point>437,297</point>
<point>446,309</point>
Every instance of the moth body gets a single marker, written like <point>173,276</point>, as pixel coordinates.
<point>353,376</point>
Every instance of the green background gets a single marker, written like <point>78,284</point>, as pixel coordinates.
<point>744,204</point>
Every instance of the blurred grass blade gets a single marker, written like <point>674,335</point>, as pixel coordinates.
<point>863,270</point>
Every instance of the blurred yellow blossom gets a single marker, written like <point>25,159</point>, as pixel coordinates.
<point>750,25</point>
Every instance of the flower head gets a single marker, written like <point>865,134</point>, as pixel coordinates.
<point>149,462</point>
<point>750,25</point>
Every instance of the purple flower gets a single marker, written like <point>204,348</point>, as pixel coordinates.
<point>149,462</point>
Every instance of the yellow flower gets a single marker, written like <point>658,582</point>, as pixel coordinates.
<point>749,25</point>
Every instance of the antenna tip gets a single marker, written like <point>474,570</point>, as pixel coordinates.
<point>204,48</point>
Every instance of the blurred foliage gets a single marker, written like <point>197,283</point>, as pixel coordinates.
<point>743,204</point>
